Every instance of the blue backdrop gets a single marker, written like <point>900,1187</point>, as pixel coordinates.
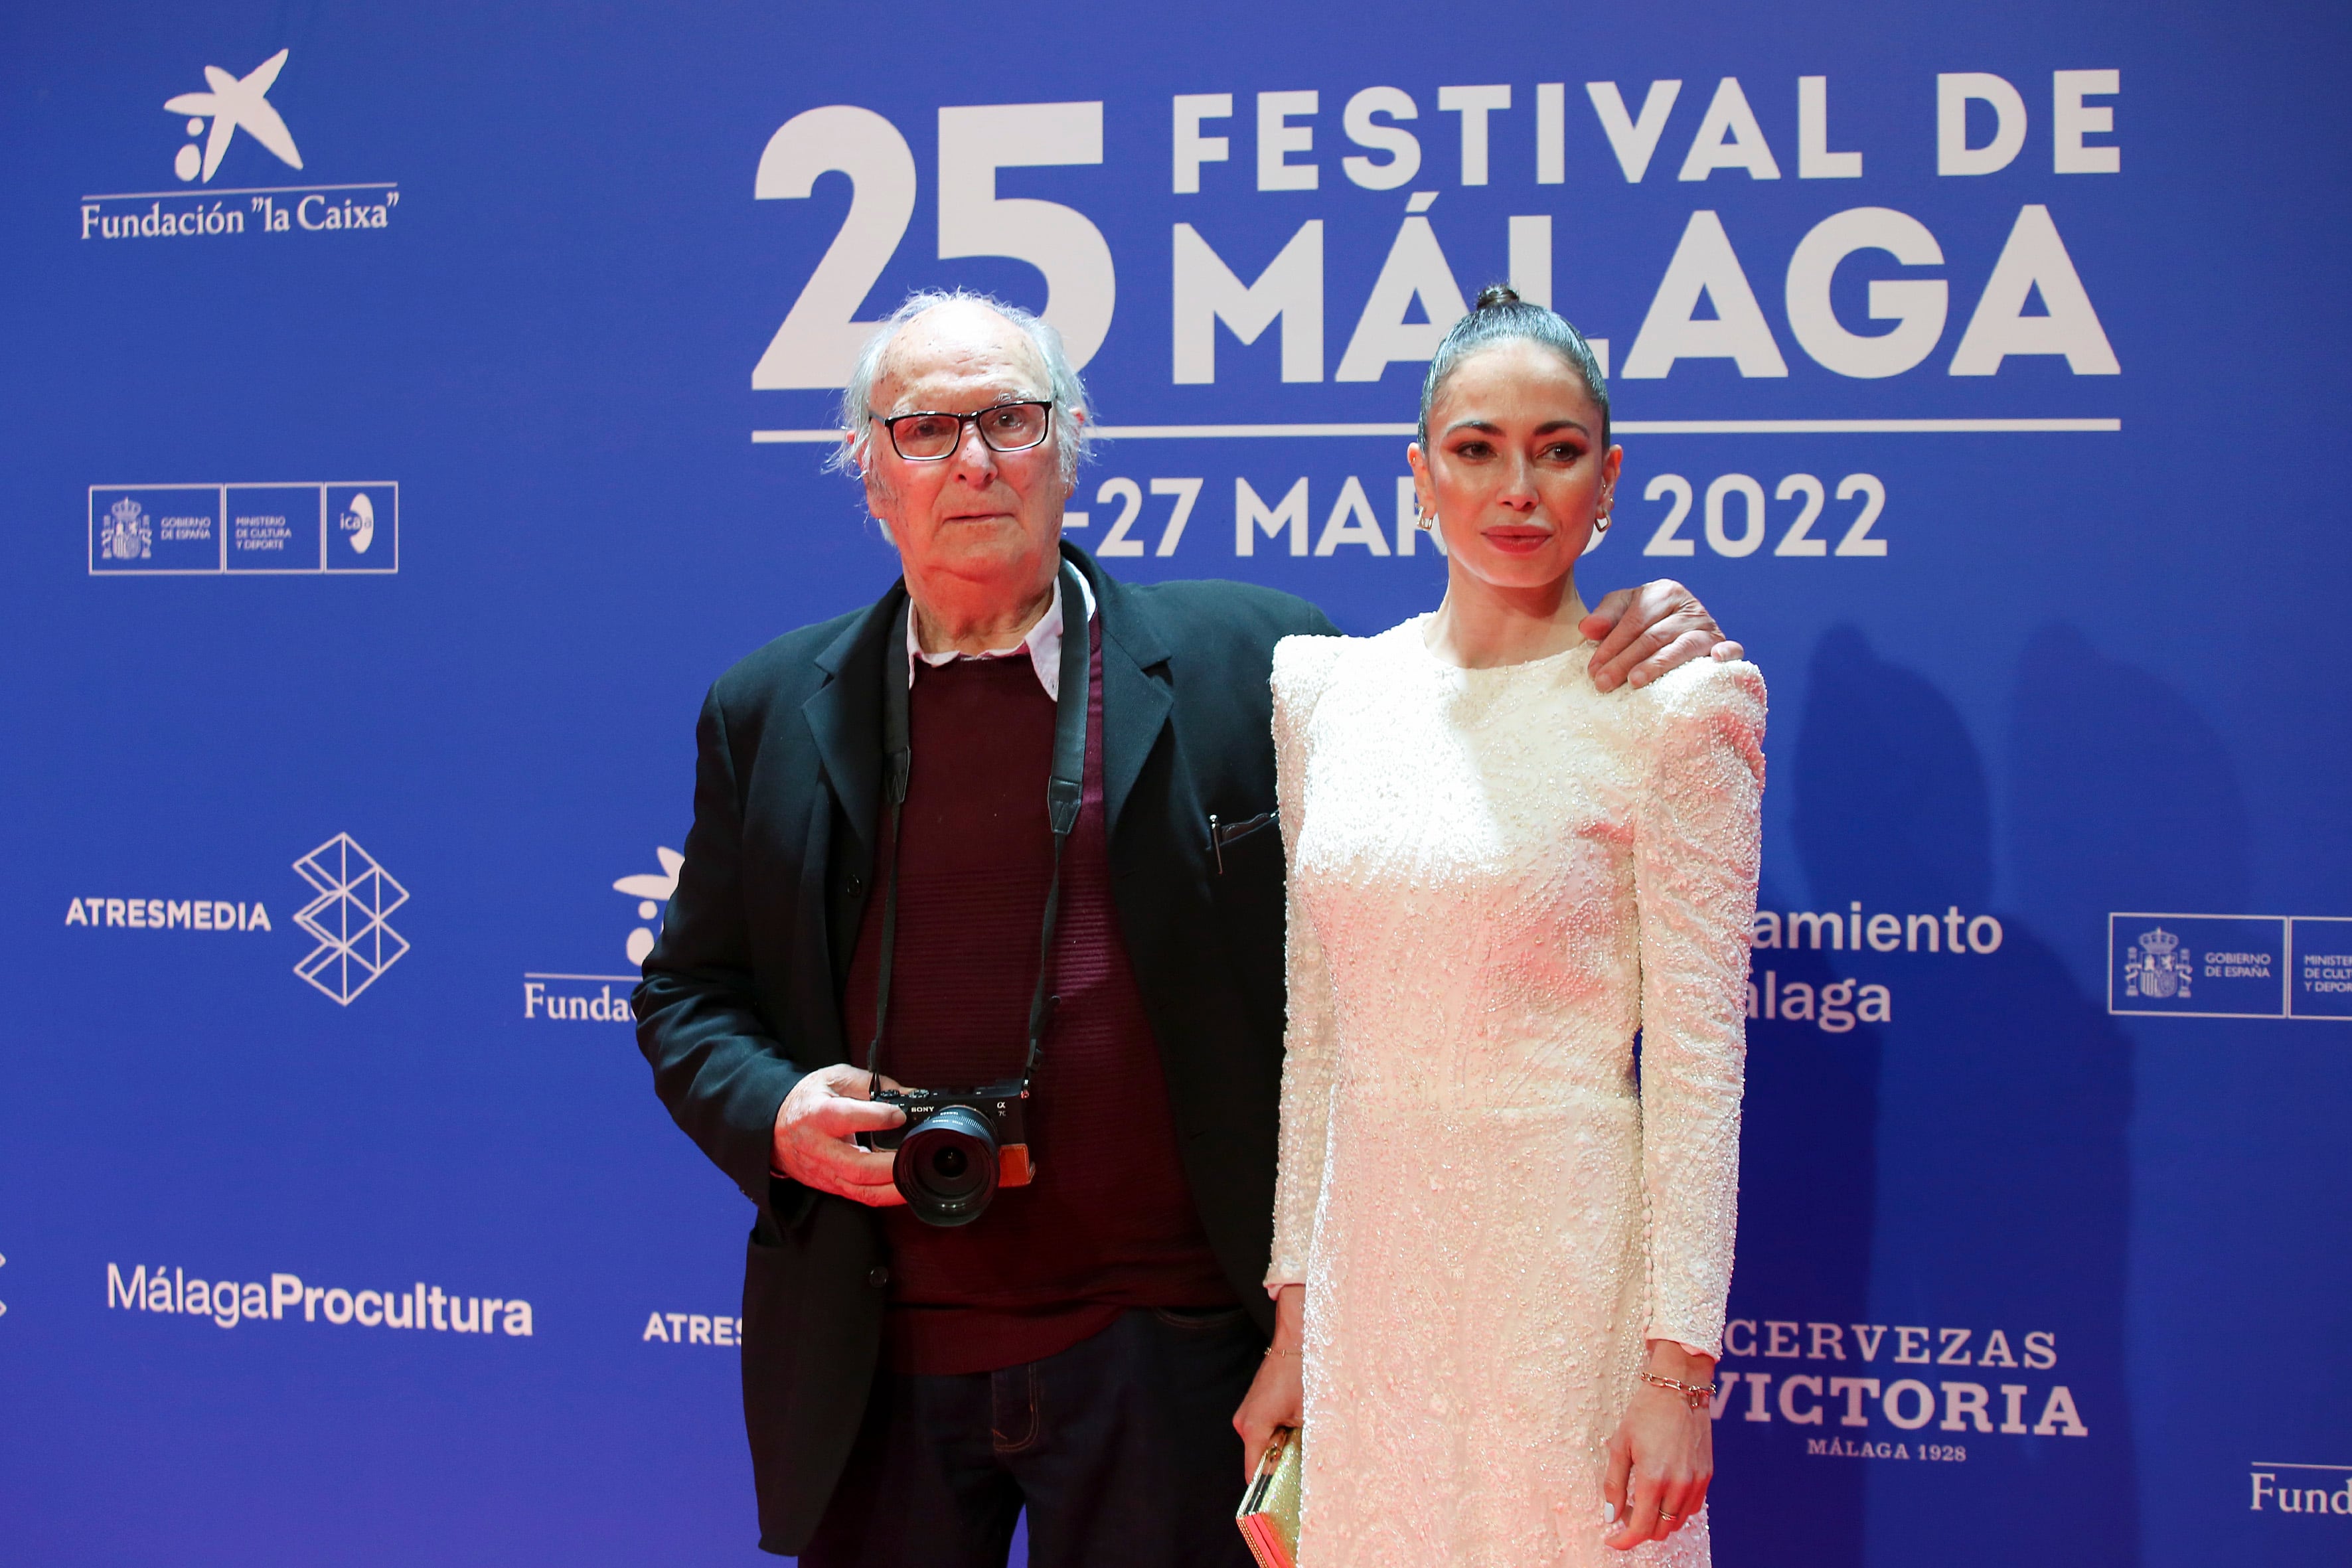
<point>409,410</point>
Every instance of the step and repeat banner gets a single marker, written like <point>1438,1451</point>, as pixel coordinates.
<point>410,409</point>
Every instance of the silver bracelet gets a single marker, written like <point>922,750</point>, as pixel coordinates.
<point>1697,1395</point>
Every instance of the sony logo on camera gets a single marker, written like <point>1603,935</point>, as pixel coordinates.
<point>956,1147</point>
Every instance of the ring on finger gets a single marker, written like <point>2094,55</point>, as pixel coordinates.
<point>1669,1518</point>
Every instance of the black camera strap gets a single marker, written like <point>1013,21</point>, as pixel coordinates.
<point>1065,788</point>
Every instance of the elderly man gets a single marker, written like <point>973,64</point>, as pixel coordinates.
<point>875,878</point>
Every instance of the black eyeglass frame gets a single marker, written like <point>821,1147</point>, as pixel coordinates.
<point>891,423</point>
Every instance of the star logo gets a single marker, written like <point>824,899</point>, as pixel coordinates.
<point>355,947</point>
<point>234,104</point>
<point>652,892</point>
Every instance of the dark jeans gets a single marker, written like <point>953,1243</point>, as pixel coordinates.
<point>1121,1447</point>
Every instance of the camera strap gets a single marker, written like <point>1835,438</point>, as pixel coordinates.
<point>1065,788</point>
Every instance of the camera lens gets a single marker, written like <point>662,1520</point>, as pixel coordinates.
<point>947,1167</point>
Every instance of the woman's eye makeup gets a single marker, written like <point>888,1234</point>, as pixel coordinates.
<point>1478,449</point>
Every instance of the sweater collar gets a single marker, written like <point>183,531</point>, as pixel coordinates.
<point>1043,645</point>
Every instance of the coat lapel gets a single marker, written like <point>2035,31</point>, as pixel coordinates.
<point>845,715</point>
<point>1136,703</point>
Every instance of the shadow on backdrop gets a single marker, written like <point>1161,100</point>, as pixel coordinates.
<point>2115,776</point>
<point>2120,796</point>
<point>1962,1165</point>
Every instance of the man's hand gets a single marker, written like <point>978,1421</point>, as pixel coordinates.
<point>1647,631</point>
<point>1277,1396</point>
<point>815,1127</point>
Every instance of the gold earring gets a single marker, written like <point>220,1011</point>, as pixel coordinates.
<point>1601,523</point>
<point>1425,521</point>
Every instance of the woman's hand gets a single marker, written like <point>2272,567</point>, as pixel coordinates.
<point>1663,1456</point>
<point>1277,1396</point>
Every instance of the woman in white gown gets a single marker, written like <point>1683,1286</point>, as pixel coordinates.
<point>1502,1246</point>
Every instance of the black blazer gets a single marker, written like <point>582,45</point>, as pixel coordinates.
<point>741,995</point>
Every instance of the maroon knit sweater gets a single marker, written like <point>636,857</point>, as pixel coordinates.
<point>1109,1222</point>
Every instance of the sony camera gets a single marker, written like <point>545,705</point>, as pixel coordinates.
<point>956,1147</point>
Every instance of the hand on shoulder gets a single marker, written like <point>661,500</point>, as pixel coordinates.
<point>1646,632</point>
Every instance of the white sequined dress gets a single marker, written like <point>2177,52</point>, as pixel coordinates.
<point>1496,877</point>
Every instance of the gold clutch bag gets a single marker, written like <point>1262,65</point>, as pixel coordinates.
<point>1268,1515</point>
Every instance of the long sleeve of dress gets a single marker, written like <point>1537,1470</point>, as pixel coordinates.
<point>1695,859</point>
<point>1301,666</point>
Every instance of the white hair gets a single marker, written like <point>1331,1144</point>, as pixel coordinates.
<point>1069,393</point>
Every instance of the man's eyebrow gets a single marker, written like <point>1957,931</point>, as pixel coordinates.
<point>1007,399</point>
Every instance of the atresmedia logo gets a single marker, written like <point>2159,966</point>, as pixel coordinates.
<point>346,919</point>
<point>356,946</point>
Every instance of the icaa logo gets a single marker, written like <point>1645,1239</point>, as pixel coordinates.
<point>358,521</point>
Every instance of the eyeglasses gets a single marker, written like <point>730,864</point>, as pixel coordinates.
<point>927,437</point>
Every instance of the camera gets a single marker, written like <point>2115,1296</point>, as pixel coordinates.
<point>956,1147</point>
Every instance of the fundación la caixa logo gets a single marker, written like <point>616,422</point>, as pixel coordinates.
<point>559,997</point>
<point>2281,1487</point>
<point>346,918</point>
<point>234,104</point>
<point>213,119</point>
